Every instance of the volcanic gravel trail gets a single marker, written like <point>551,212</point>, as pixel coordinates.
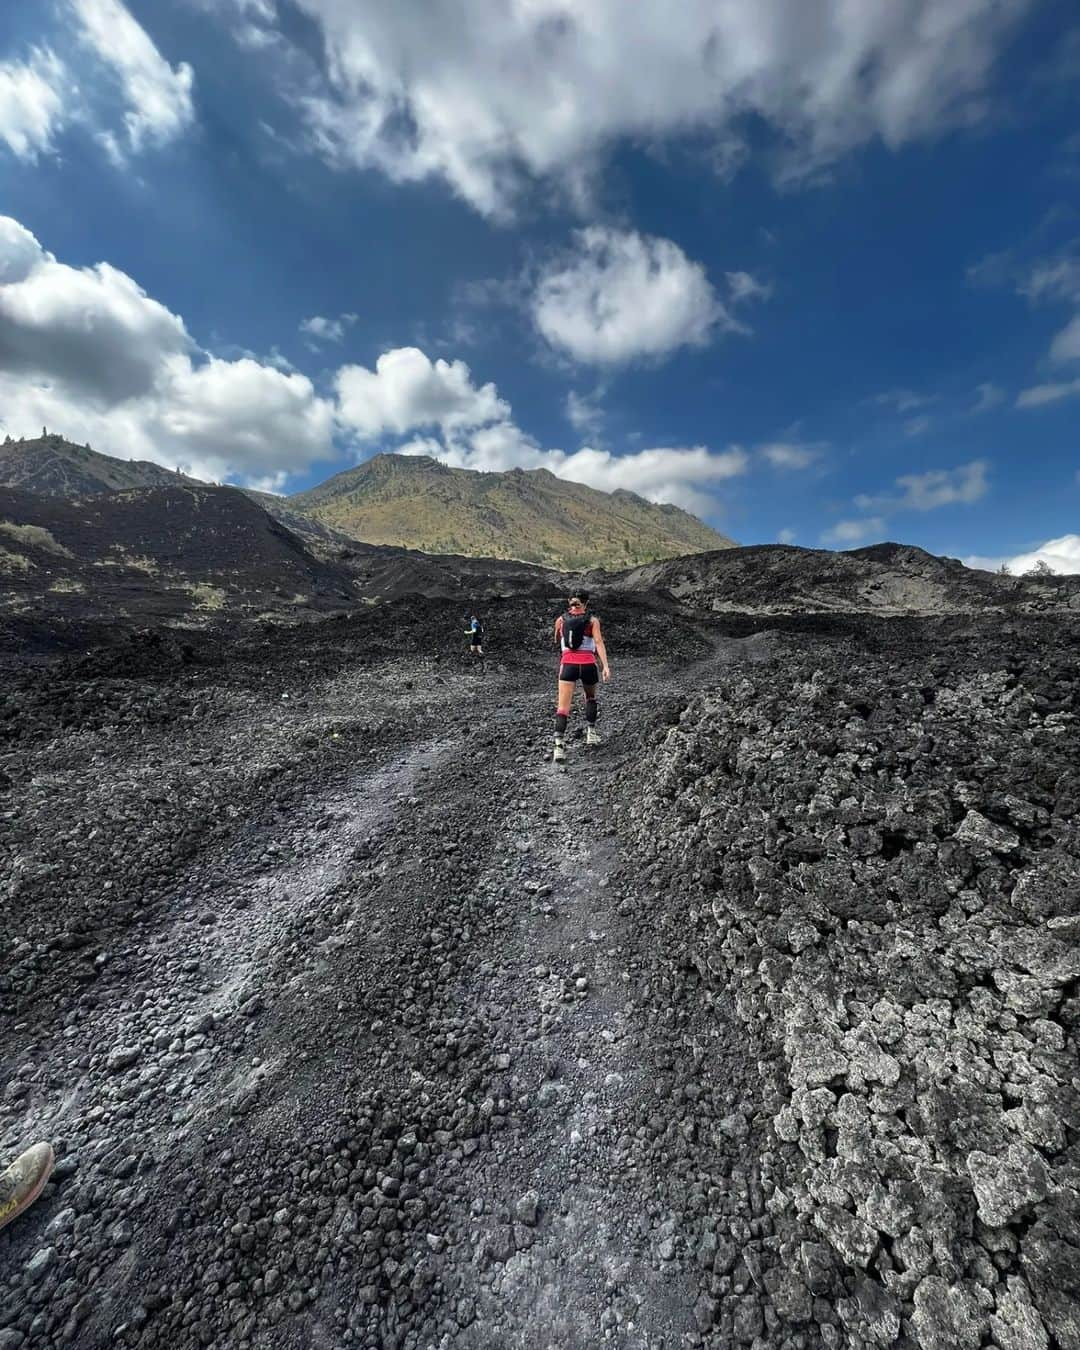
<point>358,1023</point>
<point>375,1069</point>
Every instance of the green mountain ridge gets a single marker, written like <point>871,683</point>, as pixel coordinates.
<point>529,515</point>
<point>407,501</point>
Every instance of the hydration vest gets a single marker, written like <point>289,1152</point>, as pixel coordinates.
<point>577,633</point>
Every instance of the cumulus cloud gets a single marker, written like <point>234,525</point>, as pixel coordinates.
<point>786,537</point>
<point>684,476</point>
<point>243,413</point>
<point>407,391</point>
<point>1041,394</point>
<point>87,352</point>
<point>1061,555</point>
<point>219,421</point>
<point>929,491</point>
<point>486,94</point>
<point>157,95</point>
<point>850,533</point>
<point>32,103</point>
<point>622,296</point>
<point>91,328</point>
<point>318,329</point>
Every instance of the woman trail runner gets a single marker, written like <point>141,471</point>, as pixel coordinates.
<point>580,642</point>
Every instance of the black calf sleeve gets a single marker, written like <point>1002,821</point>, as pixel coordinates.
<point>592,711</point>
<point>560,724</point>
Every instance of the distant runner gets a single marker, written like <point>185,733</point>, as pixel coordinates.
<point>475,634</point>
<point>580,642</point>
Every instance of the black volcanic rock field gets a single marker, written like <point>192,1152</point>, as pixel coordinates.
<point>156,555</point>
<point>356,1023</point>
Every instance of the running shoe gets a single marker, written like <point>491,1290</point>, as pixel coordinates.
<point>24,1181</point>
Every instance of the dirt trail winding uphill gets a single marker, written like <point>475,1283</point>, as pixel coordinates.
<point>368,1071</point>
<point>357,1023</point>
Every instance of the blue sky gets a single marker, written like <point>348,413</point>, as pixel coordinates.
<point>813,276</point>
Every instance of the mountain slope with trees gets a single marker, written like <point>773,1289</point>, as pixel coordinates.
<point>528,514</point>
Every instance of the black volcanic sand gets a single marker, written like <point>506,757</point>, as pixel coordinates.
<point>355,1022</point>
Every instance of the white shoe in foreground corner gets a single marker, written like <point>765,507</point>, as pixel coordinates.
<point>24,1181</point>
<point>592,736</point>
<point>558,755</point>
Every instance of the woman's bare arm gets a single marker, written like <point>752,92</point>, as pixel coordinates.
<point>601,649</point>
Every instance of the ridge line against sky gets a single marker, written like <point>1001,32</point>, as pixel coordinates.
<point>809,272</point>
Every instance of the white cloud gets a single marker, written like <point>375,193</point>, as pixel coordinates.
<point>584,413</point>
<point>1041,394</point>
<point>88,353</point>
<point>407,391</point>
<point>218,421</point>
<point>990,396</point>
<point>684,476</point>
<point>273,483</point>
<point>1061,555</point>
<point>32,103</point>
<point>243,413</point>
<point>116,63</point>
<point>944,487</point>
<point>1053,279</point>
<point>251,21</point>
<point>487,93</point>
<point>743,288</point>
<point>319,329</point>
<point>786,537</point>
<point>929,491</point>
<point>1066,346</point>
<point>422,445</point>
<point>92,328</point>
<point>20,252</point>
<point>916,426</point>
<point>157,95</point>
<point>853,532</point>
<point>623,296</point>
<point>789,455</point>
